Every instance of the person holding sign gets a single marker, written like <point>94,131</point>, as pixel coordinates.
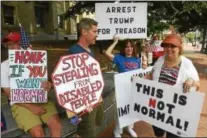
<point>174,69</point>
<point>145,55</point>
<point>88,34</point>
<point>29,116</point>
<point>126,61</point>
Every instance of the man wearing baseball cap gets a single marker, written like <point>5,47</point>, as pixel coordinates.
<point>29,116</point>
<point>11,41</point>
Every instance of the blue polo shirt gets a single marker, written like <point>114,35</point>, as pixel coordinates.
<point>75,49</point>
<point>125,64</point>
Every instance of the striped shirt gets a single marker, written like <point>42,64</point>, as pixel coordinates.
<point>169,75</point>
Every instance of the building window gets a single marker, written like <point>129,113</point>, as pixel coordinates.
<point>39,17</point>
<point>60,10</point>
<point>73,26</point>
<point>60,22</point>
<point>41,12</point>
<point>8,13</point>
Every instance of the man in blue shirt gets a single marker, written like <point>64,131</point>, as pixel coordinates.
<point>79,49</point>
<point>88,34</point>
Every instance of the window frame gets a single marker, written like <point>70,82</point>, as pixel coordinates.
<point>12,16</point>
<point>40,9</point>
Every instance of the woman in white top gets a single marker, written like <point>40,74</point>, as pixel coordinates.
<point>174,69</point>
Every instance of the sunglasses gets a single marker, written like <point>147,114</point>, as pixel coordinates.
<point>168,45</point>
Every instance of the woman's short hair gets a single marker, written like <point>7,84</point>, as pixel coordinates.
<point>86,23</point>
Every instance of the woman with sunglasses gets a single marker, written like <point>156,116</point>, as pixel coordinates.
<point>127,60</point>
<point>174,69</point>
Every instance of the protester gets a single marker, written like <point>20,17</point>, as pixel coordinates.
<point>174,69</point>
<point>145,55</point>
<point>29,116</point>
<point>126,61</point>
<point>88,33</point>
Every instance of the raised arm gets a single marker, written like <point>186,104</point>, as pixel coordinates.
<point>110,49</point>
<point>144,61</point>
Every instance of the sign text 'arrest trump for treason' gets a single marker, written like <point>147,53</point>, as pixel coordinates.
<point>126,20</point>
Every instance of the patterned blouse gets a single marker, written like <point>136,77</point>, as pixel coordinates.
<point>169,75</point>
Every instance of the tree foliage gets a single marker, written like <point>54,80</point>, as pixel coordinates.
<point>191,16</point>
<point>185,16</point>
<point>190,36</point>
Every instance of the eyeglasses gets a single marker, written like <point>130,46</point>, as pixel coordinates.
<point>168,45</point>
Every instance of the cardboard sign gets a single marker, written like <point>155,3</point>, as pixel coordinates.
<point>28,69</point>
<point>166,107</point>
<point>127,20</point>
<point>78,82</point>
<point>124,95</point>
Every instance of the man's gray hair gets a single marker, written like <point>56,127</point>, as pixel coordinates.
<point>86,23</point>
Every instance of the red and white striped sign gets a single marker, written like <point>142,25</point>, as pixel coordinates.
<point>154,48</point>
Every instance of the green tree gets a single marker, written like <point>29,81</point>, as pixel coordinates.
<point>185,16</point>
<point>189,16</point>
<point>154,24</point>
<point>190,36</point>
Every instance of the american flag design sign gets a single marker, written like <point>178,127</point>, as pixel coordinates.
<point>154,48</point>
<point>24,39</point>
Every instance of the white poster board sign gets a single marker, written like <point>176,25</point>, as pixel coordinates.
<point>78,82</point>
<point>127,20</point>
<point>28,68</point>
<point>167,107</point>
<point>124,95</point>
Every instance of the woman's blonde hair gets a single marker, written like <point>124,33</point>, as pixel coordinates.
<point>181,50</point>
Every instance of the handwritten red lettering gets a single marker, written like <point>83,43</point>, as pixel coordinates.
<point>37,71</point>
<point>152,102</point>
<point>25,57</point>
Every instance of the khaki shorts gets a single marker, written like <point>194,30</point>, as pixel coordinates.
<point>87,127</point>
<point>26,120</point>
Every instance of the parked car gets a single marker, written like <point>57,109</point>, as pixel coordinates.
<point>156,49</point>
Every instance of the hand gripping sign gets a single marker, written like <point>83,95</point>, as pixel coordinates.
<point>78,82</point>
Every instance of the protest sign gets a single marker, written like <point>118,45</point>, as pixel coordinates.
<point>127,20</point>
<point>28,68</point>
<point>78,82</point>
<point>167,107</point>
<point>123,95</point>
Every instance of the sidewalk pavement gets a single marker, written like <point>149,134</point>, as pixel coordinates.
<point>199,60</point>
